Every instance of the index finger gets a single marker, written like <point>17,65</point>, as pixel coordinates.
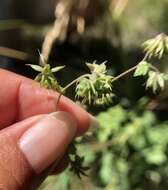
<point>21,98</point>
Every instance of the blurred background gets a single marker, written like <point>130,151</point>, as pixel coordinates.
<point>129,151</point>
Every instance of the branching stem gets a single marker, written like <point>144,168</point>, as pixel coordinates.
<point>113,80</point>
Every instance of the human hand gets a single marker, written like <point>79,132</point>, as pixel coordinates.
<point>31,139</point>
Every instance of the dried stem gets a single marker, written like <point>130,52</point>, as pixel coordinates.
<point>59,29</point>
<point>11,24</point>
<point>15,54</point>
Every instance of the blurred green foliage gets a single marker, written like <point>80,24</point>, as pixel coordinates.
<point>129,151</point>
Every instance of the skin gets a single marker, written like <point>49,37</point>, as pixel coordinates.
<point>22,102</point>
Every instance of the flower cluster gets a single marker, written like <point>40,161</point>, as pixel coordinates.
<point>46,77</point>
<point>95,88</point>
<point>155,47</point>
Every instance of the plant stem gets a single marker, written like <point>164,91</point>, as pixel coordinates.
<point>151,66</point>
<point>69,85</point>
<point>16,54</point>
<point>58,100</point>
<point>145,57</point>
<point>75,81</point>
<point>124,73</point>
<point>113,80</point>
<point>154,68</point>
<point>134,68</point>
<point>11,24</point>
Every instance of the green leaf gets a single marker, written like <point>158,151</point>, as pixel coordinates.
<point>106,169</point>
<point>166,43</point>
<point>155,155</point>
<point>165,76</point>
<point>156,81</point>
<point>110,122</point>
<point>142,69</point>
<point>36,67</point>
<point>56,69</point>
<point>161,81</point>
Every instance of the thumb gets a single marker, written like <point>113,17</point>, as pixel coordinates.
<point>29,147</point>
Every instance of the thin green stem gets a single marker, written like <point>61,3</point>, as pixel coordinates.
<point>134,68</point>
<point>124,73</point>
<point>113,80</point>
<point>129,70</point>
<point>145,57</point>
<point>68,86</point>
<point>75,81</point>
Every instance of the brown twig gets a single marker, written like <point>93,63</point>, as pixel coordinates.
<point>11,24</point>
<point>59,29</point>
<point>16,54</point>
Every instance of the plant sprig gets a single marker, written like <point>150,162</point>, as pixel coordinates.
<point>154,48</point>
<point>96,87</point>
<point>46,76</point>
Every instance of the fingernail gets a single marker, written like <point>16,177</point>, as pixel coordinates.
<point>47,140</point>
<point>94,123</point>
